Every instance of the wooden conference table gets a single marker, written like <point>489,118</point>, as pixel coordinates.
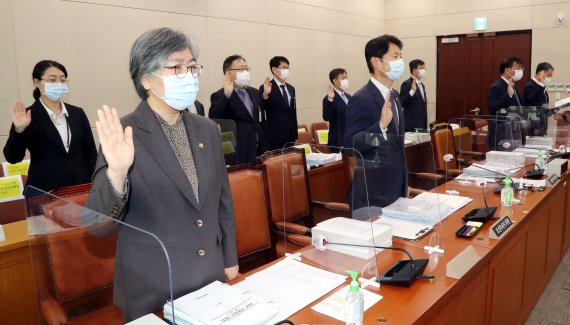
<point>502,288</point>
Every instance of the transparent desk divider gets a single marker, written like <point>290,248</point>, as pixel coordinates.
<point>73,250</point>
<point>378,177</point>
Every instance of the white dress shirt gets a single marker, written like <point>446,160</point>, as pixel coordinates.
<point>60,123</point>
<point>279,84</point>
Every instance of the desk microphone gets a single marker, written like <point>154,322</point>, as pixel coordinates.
<point>404,273</point>
<point>447,158</point>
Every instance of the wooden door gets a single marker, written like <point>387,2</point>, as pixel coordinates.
<point>467,67</point>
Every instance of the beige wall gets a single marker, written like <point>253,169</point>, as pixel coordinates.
<point>418,22</point>
<point>92,38</point>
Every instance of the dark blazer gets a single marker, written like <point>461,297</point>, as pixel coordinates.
<point>281,117</point>
<point>251,140</point>
<point>335,113</point>
<point>499,96</point>
<point>415,107</point>
<point>160,200</point>
<point>199,108</point>
<point>50,165</point>
<point>535,94</point>
<point>383,159</point>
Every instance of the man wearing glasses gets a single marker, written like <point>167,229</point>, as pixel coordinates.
<point>239,102</point>
<point>279,105</point>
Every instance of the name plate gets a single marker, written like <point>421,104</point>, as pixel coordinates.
<point>11,188</point>
<point>20,168</point>
<point>500,227</point>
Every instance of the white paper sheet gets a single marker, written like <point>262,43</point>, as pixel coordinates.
<point>291,284</point>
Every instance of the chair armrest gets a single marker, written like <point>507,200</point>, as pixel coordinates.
<point>292,228</point>
<point>339,206</point>
<point>53,312</point>
<point>432,176</point>
<point>473,154</point>
<point>414,191</point>
<point>301,240</point>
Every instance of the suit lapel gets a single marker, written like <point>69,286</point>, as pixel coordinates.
<point>255,103</point>
<point>46,124</point>
<point>155,141</point>
<point>201,147</point>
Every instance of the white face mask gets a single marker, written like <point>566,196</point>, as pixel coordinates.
<point>242,78</point>
<point>179,93</point>
<point>284,74</point>
<point>518,75</point>
<point>547,80</point>
<point>344,84</point>
<point>421,73</point>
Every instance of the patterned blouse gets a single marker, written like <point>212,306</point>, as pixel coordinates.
<point>178,138</point>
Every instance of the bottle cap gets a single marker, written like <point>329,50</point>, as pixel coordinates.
<point>353,284</point>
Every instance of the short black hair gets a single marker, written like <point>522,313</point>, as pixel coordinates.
<point>414,64</point>
<point>229,60</point>
<point>39,70</point>
<point>377,47</point>
<point>276,61</point>
<point>544,66</point>
<point>335,73</point>
<point>508,63</point>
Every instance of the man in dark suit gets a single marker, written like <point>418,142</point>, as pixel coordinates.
<point>503,92</point>
<point>239,102</point>
<point>279,105</point>
<point>375,127</point>
<point>413,97</point>
<point>334,107</point>
<point>535,93</point>
<point>197,108</point>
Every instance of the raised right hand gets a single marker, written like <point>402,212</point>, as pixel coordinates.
<point>116,144</point>
<point>20,117</point>
<point>228,84</point>
<point>330,93</point>
<point>511,87</point>
<point>386,114</point>
<point>414,85</point>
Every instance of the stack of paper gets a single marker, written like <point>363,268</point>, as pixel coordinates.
<point>319,159</point>
<point>426,208</point>
<point>488,171</point>
<point>217,304</point>
<point>291,284</point>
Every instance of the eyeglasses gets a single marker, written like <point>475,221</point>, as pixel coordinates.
<point>182,69</point>
<point>54,81</point>
<point>241,69</point>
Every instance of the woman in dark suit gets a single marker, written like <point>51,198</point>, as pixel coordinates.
<point>164,173</point>
<point>57,134</point>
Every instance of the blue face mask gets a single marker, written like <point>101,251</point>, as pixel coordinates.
<point>396,69</point>
<point>55,91</point>
<point>179,93</point>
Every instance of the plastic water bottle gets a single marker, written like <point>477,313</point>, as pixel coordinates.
<point>507,193</point>
<point>354,302</point>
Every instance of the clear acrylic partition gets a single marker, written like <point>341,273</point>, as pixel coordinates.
<point>378,177</point>
<point>73,250</point>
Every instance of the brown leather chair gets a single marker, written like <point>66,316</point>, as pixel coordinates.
<point>303,126</point>
<point>77,288</point>
<point>250,195</point>
<point>289,197</point>
<point>305,138</point>
<point>322,147</point>
<point>443,142</point>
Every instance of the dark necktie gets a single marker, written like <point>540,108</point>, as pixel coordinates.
<point>395,114</point>
<point>284,93</point>
<point>546,99</point>
<point>246,100</point>
<point>344,99</point>
<point>517,100</point>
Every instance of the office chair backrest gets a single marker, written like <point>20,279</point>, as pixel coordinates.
<point>288,184</point>
<point>251,210</point>
<point>305,138</point>
<point>228,133</point>
<point>442,140</point>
